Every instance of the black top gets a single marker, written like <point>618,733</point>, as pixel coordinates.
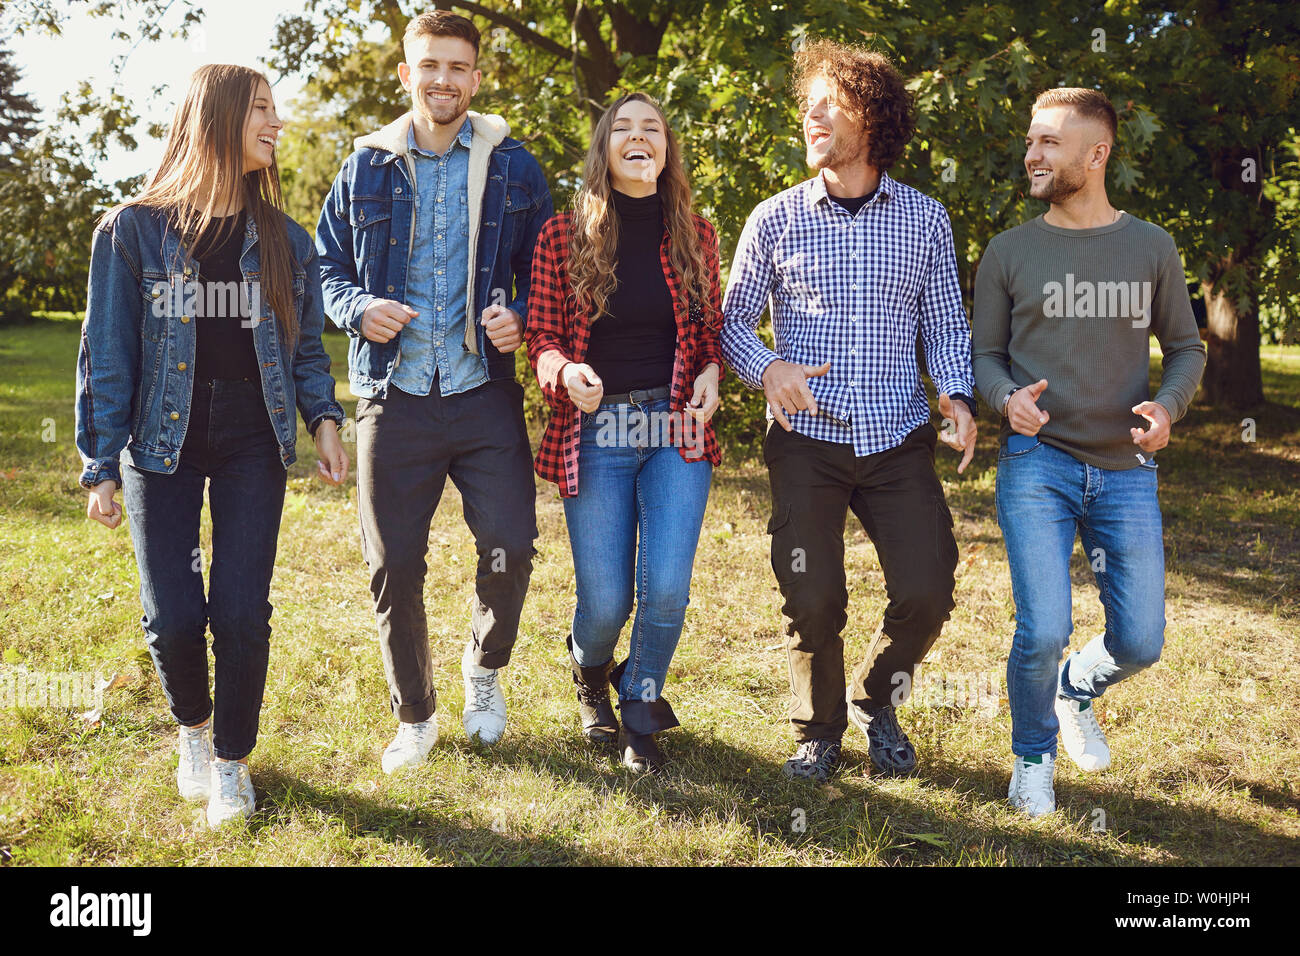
<point>224,333</point>
<point>853,203</point>
<point>634,344</point>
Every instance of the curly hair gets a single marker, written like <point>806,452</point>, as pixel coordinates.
<point>869,88</point>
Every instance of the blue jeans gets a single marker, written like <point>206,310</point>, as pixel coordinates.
<point>1044,497</point>
<point>625,488</point>
<point>229,445</point>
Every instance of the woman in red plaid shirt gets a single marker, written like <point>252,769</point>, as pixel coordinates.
<point>623,322</point>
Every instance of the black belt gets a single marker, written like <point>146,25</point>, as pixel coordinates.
<point>638,396</point>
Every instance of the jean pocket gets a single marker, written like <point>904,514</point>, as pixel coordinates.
<point>1006,454</point>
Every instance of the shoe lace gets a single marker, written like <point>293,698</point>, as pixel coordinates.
<point>815,751</point>
<point>196,750</point>
<point>884,726</point>
<point>1083,724</point>
<point>229,777</point>
<point>412,735</point>
<point>1035,776</point>
<point>484,689</point>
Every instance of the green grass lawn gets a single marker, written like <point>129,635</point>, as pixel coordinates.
<point>1206,744</point>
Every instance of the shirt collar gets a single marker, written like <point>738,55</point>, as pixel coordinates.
<point>465,137</point>
<point>817,189</point>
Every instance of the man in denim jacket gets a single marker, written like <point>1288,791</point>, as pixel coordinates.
<point>426,243</point>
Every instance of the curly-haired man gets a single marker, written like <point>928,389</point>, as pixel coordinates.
<point>854,266</point>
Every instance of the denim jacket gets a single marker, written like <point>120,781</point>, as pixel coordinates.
<point>135,368</point>
<point>365,232</point>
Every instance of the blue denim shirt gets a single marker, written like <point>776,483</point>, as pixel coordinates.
<point>434,341</point>
<point>364,238</point>
<point>135,367</point>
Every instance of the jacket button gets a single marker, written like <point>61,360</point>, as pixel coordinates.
<point>390,288</point>
<point>175,416</point>
<point>185,320</point>
<point>167,461</point>
<point>157,292</point>
<point>182,366</point>
<point>392,242</point>
<point>361,217</point>
<point>398,189</point>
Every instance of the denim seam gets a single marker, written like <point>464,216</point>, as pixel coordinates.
<point>1103,586</point>
<point>643,583</point>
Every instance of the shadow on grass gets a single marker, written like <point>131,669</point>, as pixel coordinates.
<point>711,781</point>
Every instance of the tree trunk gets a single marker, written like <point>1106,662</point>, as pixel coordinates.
<point>1232,373</point>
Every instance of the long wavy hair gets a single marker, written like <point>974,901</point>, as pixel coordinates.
<point>593,242</point>
<point>202,170</point>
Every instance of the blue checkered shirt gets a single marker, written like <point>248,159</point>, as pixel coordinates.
<point>853,290</point>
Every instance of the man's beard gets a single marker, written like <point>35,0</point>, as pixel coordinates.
<point>1062,186</point>
<point>841,153</point>
<point>444,113</point>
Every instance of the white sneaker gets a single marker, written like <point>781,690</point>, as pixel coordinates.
<point>232,793</point>
<point>1031,786</point>
<point>194,771</point>
<point>485,704</point>
<point>1082,735</point>
<point>411,745</point>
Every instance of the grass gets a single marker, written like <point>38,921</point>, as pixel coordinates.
<point>1207,762</point>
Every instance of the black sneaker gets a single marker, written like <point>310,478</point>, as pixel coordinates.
<point>814,760</point>
<point>891,752</point>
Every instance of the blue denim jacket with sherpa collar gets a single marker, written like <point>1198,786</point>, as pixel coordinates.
<point>135,368</point>
<point>367,225</point>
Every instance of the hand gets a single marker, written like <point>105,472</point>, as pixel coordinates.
<point>504,328</point>
<point>963,439</point>
<point>1025,416</point>
<point>333,465</point>
<point>1157,436</point>
<point>786,387</point>
<point>584,385</point>
<point>101,507</point>
<point>384,318</point>
<point>704,400</point>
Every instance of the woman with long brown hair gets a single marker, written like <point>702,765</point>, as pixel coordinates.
<point>202,333</point>
<point>624,315</point>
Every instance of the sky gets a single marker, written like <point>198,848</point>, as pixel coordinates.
<point>233,31</point>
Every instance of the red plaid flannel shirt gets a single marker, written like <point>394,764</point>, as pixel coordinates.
<point>555,326</point>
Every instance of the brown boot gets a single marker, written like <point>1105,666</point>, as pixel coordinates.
<point>642,719</point>
<point>597,714</point>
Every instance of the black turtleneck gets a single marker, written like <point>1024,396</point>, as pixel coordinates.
<point>634,344</point>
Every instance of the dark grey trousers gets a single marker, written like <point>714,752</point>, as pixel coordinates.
<point>407,446</point>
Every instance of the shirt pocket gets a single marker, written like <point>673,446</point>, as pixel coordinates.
<point>157,293</point>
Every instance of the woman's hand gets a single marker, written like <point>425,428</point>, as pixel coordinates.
<point>705,398</point>
<point>584,385</point>
<point>101,507</point>
<point>333,465</point>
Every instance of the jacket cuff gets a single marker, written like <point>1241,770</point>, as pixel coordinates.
<point>103,469</point>
<point>335,414</point>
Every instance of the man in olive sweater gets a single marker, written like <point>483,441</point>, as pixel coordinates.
<point>1064,308</point>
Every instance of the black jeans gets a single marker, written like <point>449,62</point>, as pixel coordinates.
<point>230,445</point>
<point>407,446</point>
<point>899,500</point>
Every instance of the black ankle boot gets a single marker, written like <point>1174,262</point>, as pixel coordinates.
<point>642,719</point>
<point>597,714</point>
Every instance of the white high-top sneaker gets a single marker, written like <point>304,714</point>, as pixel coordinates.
<point>1031,786</point>
<point>1082,735</point>
<point>485,704</point>
<point>194,771</point>
<point>411,745</point>
<point>232,793</point>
